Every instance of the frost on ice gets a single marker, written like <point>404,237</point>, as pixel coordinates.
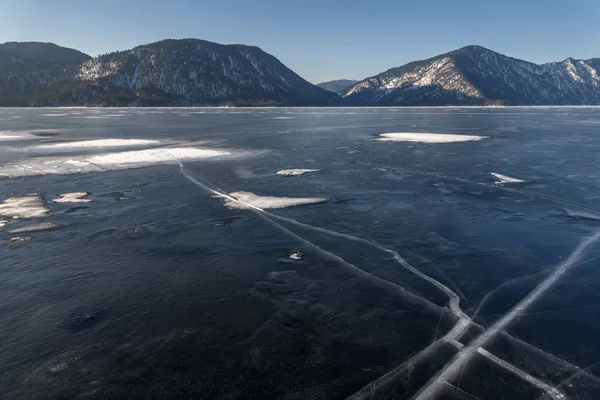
<point>503,179</point>
<point>428,137</point>
<point>28,206</point>
<point>296,172</point>
<point>245,200</point>
<point>75,197</point>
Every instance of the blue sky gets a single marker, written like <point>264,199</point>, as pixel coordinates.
<point>320,40</point>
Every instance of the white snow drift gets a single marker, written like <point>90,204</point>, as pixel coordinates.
<point>106,161</point>
<point>246,200</point>
<point>28,206</point>
<point>503,179</point>
<point>296,172</point>
<point>428,137</point>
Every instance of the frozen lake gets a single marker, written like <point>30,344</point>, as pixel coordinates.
<point>300,253</point>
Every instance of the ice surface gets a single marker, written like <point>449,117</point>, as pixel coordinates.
<point>42,226</point>
<point>295,172</point>
<point>428,137</point>
<point>83,144</point>
<point>247,200</point>
<point>503,179</point>
<point>105,161</point>
<point>28,206</point>
<point>75,197</point>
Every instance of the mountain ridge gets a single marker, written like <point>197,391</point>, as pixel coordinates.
<point>475,75</point>
<point>195,72</point>
<point>178,72</point>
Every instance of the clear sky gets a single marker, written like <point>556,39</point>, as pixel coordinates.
<point>318,39</point>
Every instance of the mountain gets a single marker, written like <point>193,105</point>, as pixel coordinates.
<point>21,57</point>
<point>338,86</point>
<point>474,75</point>
<point>170,72</point>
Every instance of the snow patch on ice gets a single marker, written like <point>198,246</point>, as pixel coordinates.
<point>428,137</point>
<point>296,255</point>
<point>153,156</point>
<point>75,197</point>
<point>106,161</point>
<point>28,206</point>
<point>246,200</point>
<point>83,144</point>
<point>43,226</point>
<point>8,135</point>
<point>581,214</point>
<point>296,172</point>
<point>503,179</point>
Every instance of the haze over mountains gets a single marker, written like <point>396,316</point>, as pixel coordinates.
<point>192,72</point>
<point>339,86</point>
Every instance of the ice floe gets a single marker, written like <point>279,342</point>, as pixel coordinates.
<point>245,200</point>
<point>3,223</point>
<point>503,179</point>
<point>75,197</point>
<point>106,161</point>
<point>296,255</point>
<point>296,172</point>
<point>428,137</point>
<point>84,144</point>
<point>28,206</point>
<point>34,227</point>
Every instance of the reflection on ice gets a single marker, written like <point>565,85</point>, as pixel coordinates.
<point>246,200</point>
<point>428,137</point>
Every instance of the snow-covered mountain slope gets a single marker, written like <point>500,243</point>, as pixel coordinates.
<point>475,75</point>
<point>170,72</point>
<point>21,57</point>
<point>338,85</point>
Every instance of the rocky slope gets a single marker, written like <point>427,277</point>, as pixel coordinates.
<point>474,75</point>
<point>170,72</point>
<point>22,57</point>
